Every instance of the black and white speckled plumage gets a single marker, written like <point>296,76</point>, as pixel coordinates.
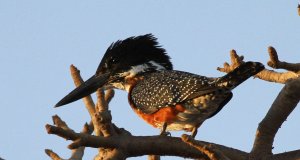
<point>169,87</point>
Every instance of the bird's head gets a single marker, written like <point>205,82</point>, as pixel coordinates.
<point>123,59</point>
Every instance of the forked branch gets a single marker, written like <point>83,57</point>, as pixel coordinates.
<point>267,75</point>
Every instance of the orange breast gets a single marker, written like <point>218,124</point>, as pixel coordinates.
<point>157,119</point>
<point>166,114</point>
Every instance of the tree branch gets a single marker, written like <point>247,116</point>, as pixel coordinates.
<point>88,101</point>
<point>281,108</point>
<point>275,63</point>
<point>284,104</point>
<point>292,155</point>
<point>135,145</point>
<point>100,116</point>
<point>52,154</point>
<point>77,153</point>
<point>267,75</point>
<point>235,59</point>
<point>209,150</point>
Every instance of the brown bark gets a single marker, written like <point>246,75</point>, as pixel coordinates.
<point>208,149</point>
<point>293,69</point>
<point>283,105</point>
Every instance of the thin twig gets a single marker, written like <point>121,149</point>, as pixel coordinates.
<point>57,121</point>
<point>77,154</point>
<point>52,154</point>
<point>275,63</point>
<point>88,101</point>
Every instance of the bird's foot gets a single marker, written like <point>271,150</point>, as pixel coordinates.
<point>163,131</point>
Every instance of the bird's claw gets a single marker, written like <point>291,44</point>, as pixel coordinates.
<point>165,134</point>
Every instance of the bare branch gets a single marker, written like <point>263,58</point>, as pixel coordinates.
<point>275,63</point>
<point>207,149</point>
<point>292,155</point>
<point>57,121</point>
<point>77,154</point>
<point>281,108</point>
<point>235,59</point>
<point>104,126</point>
<point>133,145</point>
<point>277,77</point>
<point>52,154</point>
<point>103,116</point>
<point>140,145</point>
<point>100,115</point>
<point>267,75</point>
<point>90,105</point>
<point>109,94</point>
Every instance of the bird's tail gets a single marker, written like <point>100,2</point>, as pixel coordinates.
<point>240,74</point>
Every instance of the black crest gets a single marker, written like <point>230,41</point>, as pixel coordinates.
<point>133,51</point>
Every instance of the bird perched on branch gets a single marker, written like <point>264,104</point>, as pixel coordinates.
<point>165,98</point>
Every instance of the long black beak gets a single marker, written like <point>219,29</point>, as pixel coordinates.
<point>85,89</point>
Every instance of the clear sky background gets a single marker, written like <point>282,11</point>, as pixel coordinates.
<point>39,40</point>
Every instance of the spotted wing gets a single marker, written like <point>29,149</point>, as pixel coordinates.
<point>167,88</point>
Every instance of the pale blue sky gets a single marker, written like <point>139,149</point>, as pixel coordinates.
<point>39,40</point>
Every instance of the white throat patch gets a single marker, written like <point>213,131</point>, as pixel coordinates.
<point>134,71</point>
<point>142,68</point>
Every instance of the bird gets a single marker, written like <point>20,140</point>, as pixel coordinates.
<point>165,98</point>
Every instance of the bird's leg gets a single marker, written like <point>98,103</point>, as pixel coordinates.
<point>163,130</point>
<point>194,132</point>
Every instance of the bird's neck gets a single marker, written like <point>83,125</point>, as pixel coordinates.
<point>128,83</point>
<point>135,74</point>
